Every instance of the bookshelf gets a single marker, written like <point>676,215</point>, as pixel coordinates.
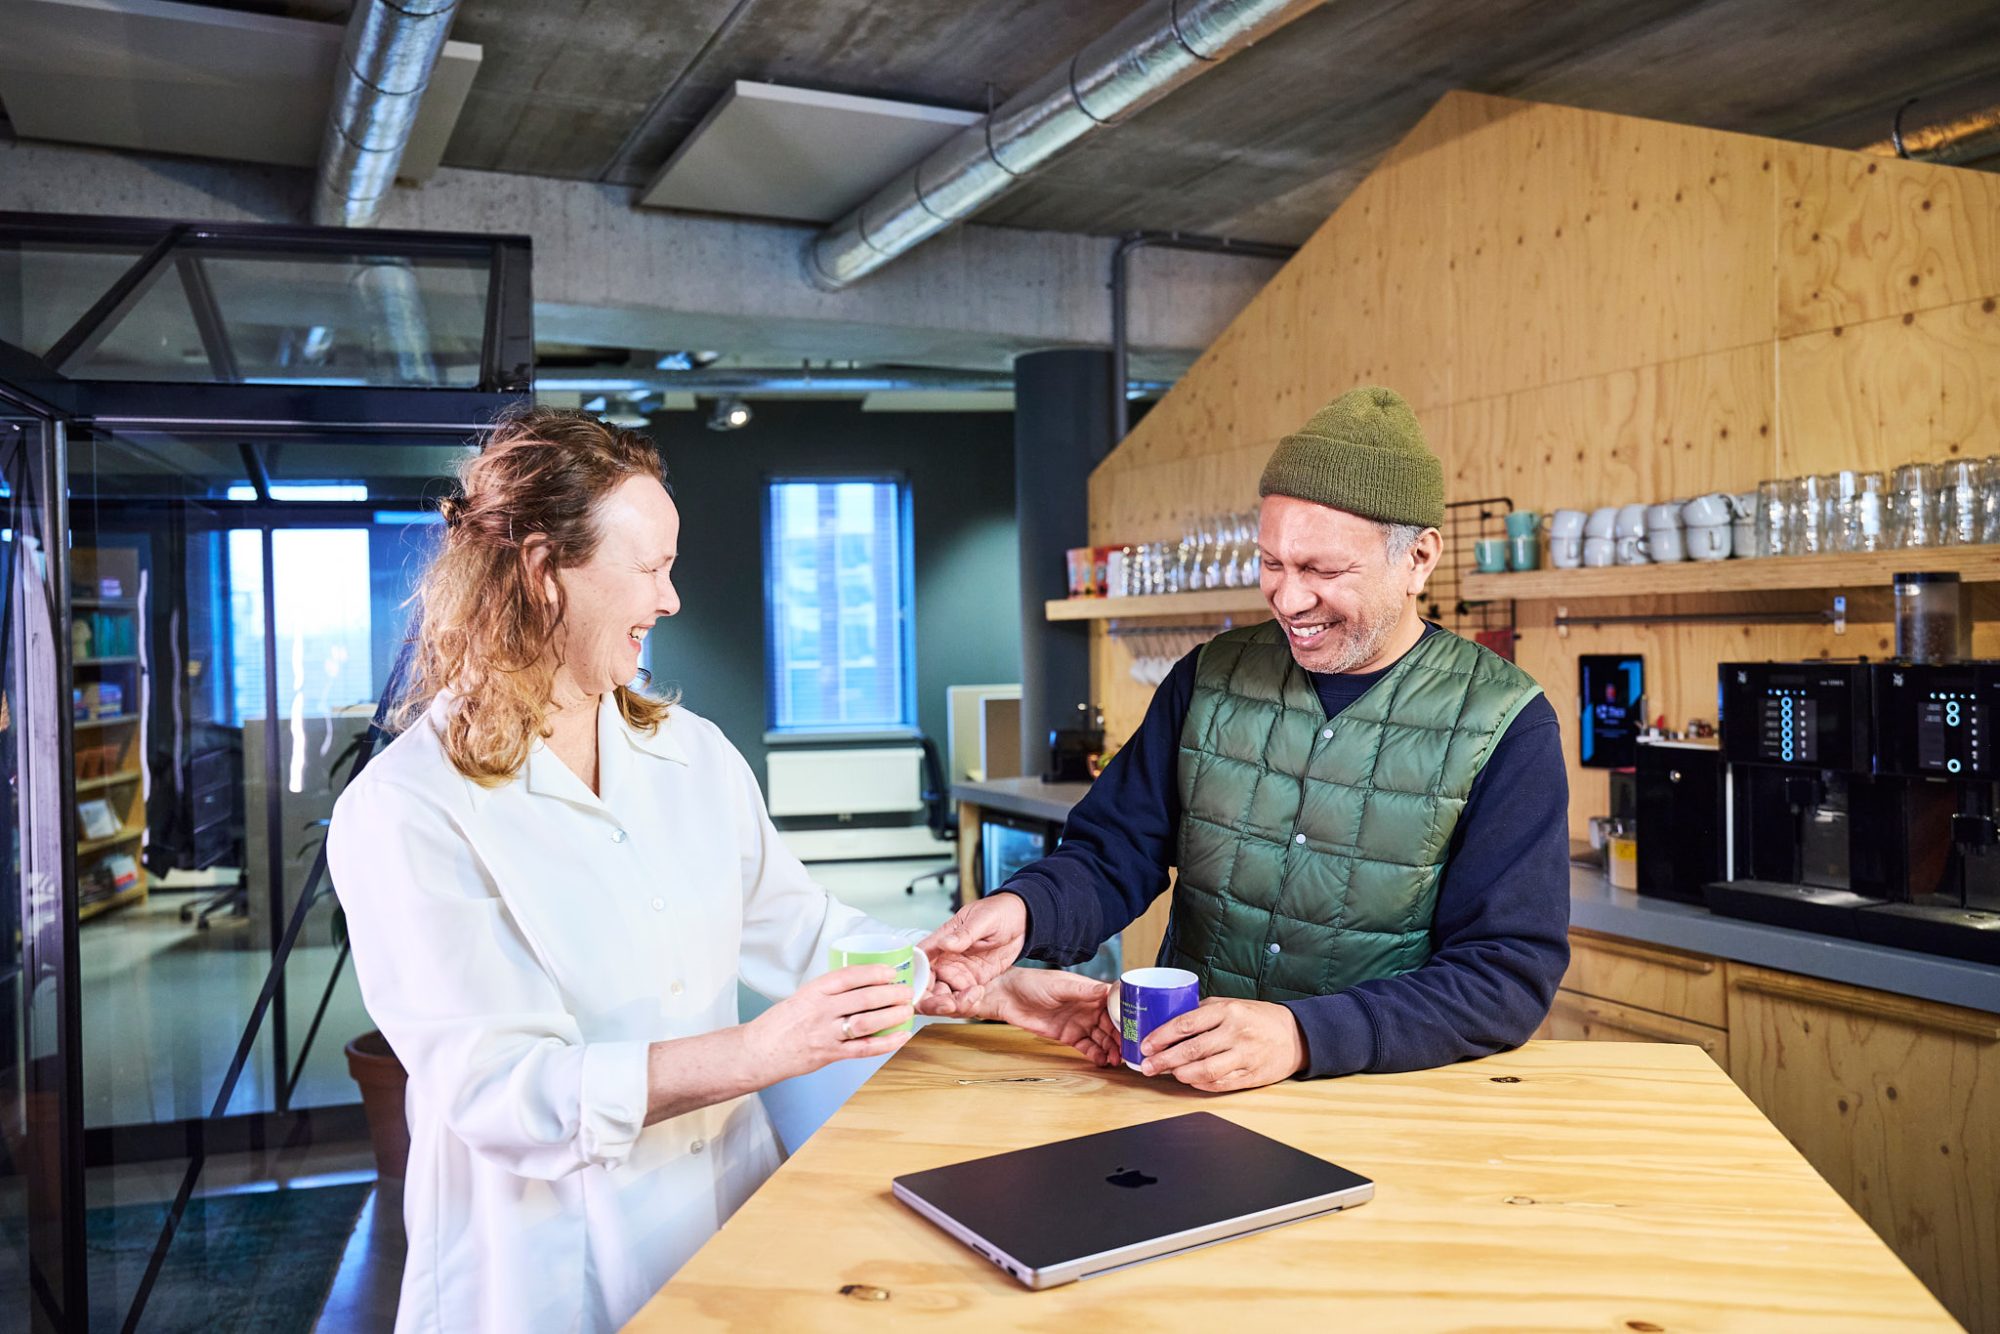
<point>107,629</point>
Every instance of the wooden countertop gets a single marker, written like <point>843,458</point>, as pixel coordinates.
<point>1565,1186</point>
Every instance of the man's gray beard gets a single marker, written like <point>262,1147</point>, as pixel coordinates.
<point>1364,649</point>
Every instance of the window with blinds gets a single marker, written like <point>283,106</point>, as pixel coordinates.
<point>838,650</point>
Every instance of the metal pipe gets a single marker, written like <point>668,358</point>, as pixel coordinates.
<point>1121,386</point>
<point>1949,142</point>
<point>1154,51</point>
<point>386,60</point>
<point>790,382</point>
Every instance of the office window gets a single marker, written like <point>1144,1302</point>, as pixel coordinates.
<point>838,653</point>
<point>324,658</point>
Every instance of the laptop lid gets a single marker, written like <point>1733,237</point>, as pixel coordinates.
<point>1082,1206</point>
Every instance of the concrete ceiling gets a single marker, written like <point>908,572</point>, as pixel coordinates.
<point>1264,146</point>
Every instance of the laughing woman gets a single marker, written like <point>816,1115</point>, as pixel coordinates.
<point>553,883</point>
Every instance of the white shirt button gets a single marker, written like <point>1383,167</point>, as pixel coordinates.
<point>618,836</point>
<point>698,1146</point>
<point>1326,735</point>
<point>1273,947</point>
<point>1298,838</point>
<point>677,988</point>
<point>659,905</point>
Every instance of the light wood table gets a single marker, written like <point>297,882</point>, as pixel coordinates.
<point>1565,1186</point>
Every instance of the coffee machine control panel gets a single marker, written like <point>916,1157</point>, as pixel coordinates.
<point>1937,721</point>
<point>1795,715</point>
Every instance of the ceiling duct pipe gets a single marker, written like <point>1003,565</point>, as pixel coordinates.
<point>778,382</point>
<point>386,60</point>
<point>1949,142</point>
<point>1154,51</point>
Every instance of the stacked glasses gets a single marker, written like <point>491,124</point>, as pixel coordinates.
<point>1916,505</point>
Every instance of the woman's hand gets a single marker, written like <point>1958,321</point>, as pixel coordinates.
<point>830,1018</point>
<point>1064,1007</point>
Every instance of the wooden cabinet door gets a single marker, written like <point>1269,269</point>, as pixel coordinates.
<point>1897,1103</point>
<point>1651,977</point>
<point>1588,1018</point>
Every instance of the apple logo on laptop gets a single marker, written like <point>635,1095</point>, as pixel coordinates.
<point>1131,1178</point>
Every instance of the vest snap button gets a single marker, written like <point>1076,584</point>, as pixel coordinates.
<point>1326,735</point>
<point>1273,947</point>
<point>1298,838</point>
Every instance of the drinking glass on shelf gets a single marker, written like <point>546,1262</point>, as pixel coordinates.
<point>1211,561</point>
<point>1251,561</point>
<point>1914,496</point>
<point>1774,518</point>
<point>1842,512</point>
<point>1989,498</point>
<point>1871,512</point>
<point>1958,501</point>
<point>1809,505</point>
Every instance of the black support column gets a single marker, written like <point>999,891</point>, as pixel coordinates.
<point>1062,429</point>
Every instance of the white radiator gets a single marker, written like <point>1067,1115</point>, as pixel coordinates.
<point>870,780</point>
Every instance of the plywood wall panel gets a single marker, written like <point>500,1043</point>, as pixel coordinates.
<point>1865,238</point>
<point>1921,385</point>
<point>1656,433</point>
<point>1590,243</point>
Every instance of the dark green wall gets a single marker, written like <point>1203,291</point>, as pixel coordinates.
<point>960,467</point>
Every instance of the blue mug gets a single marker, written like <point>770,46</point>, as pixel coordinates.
<point>1144,999</point>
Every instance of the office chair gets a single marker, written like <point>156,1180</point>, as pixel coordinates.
<point>938,815</point>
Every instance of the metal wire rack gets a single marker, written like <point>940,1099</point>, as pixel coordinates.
<point>1465,522</point>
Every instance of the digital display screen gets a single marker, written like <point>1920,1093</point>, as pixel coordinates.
<point>1613,689</point>
<point>1951,732</point>
<point>1788,727</point>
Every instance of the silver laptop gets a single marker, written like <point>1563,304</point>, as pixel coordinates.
<point>1082,1207</point>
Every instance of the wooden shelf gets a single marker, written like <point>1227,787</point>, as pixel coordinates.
<point>114,721</point>
<point>136,894</point>
<point>119,661</point>
<point>106,604</point>
<point>1208,602</point>
<point>1765,574</point>
<point>131,834</point>
<point>109,780</point>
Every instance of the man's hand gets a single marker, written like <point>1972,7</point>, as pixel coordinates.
<point>975,946</point>
<point>1063,1007</point>
<point>1225,1045</point>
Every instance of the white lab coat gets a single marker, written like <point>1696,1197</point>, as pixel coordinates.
<point>520,947</point>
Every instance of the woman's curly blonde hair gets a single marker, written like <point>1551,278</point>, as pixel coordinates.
<point>487,632</point>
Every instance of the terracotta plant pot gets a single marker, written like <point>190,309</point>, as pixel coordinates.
<point>382,1079</point>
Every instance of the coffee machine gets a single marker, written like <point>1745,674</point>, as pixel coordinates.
<point>1937,760</point>
<point>1808,842</point>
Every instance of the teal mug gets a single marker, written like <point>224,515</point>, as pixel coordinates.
<point>1524,552</point>
<point>1490,554</point>
<point>1523,523</point>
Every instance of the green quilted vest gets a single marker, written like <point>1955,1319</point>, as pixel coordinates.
<point>1311,848</point>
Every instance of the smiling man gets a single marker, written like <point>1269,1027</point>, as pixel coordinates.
<point>1368,813</point>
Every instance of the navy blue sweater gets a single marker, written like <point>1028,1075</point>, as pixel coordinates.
<point>1499,933</point>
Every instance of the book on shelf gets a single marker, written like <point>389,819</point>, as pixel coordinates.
<point>97,818</point>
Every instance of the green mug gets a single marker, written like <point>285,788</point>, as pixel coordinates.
<point>913,970</point>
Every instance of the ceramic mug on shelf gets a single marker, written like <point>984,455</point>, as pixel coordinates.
<point>1523,523</point>
<point>1706,511</point>
<point>1567,523</point>
<point>1664,516</point>
<point>1599,552</point>
<point>1665,545</point>
<point>1709,541</point>
<point>1631,521</point>
<point>1603,522</point>
<point>1566,553</point>
<point>1632,550</point>
<point>1490,554</point>
<point>1524,552</point>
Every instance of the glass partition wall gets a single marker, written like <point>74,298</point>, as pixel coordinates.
<point>248,430</point>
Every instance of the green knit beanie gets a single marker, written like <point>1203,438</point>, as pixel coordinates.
<point>1363,453</point>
